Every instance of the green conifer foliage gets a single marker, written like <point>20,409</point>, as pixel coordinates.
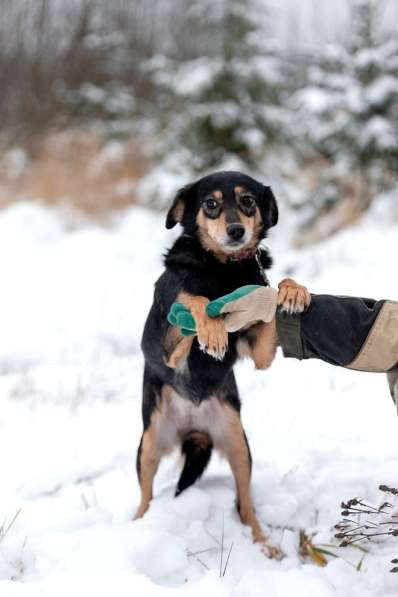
<point>233,111</point>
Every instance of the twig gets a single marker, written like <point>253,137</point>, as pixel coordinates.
<point>189,554</point>
<point>4,533</point>
<point>85,502</point>
<point>226,563</point>
<point>387,489</point>
<point>222,542</point>
<point>351,531</point>
<point>212,536</point>
<point>194,553</point>
<point>202,562</point>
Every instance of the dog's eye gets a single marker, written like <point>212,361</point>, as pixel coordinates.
<point>247,201</point>
<point>211,204</point>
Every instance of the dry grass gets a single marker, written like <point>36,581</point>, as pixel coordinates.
<point>77,168</point>
<point>353,201</point>
<point>346,213</point>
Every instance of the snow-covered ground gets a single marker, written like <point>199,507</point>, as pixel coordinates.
<point>73,302</point>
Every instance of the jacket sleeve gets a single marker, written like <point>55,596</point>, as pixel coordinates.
<point>356,333</point>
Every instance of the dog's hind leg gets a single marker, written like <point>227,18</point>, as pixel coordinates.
<point>148,458</point>
<point>237,451</point>
<point>197,447</point>
<point>149,451</point>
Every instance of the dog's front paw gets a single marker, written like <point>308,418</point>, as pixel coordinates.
<point>213,337</point>
<point>211,332</point>
<point>293,297</point>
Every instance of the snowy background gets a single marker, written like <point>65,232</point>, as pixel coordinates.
<point>106,108</point>
<point>74,298</point>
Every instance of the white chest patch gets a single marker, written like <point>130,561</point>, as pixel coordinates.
<point>180,415</point>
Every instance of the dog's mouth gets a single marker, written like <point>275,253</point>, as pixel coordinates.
<point>235,243</point>
<point>231,246</point>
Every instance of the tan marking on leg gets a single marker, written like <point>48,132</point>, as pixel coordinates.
<point>158,439</point>
<point>293,297</point>
<point>171,341</point>
<point>149,462</point>
<point>264,344</point>
<point>211,332</point>
<point>243,348</point>
<point>180,354</point>
<point>176,347</point>
<point>237,453</point>
<point>259,344</point>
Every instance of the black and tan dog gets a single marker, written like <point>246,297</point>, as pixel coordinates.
<point>193,402</point>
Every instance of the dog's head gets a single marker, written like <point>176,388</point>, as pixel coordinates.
<point>230,212</point>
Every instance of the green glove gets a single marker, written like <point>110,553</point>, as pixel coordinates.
<point>245,306</point>
<point>220,305</point>
<point>181,317</point>
<point>242,306</point>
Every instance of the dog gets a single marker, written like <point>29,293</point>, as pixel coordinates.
<point>190,396</point>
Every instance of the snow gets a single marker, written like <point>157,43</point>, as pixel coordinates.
<point>194,76</point>
<point>378,130</point>
<point>314,99</point>
<point>112,153</point>
<point>381,90</point>
<point>14,162</point>
<point>74,298</point>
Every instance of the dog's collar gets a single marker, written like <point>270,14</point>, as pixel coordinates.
<point>249,254</point>
<point>261,269</point>
<point>244,254</point>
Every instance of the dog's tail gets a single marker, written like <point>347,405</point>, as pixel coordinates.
<point>197,447</point>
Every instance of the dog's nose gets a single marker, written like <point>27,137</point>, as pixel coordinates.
<point>235,231</point>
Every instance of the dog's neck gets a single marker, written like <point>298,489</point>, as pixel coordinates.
<point>244,254</point>
<point>188,252</point>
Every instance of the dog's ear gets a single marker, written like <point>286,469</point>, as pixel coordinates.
<point>176,211</point>
<point>270,207</point>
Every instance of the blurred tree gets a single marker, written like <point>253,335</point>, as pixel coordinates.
<point>228,101</point>
<point>349,113</point>
<point>371,100</point>
<point>198,85</point>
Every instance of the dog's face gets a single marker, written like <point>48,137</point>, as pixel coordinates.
<point>229,211</point>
